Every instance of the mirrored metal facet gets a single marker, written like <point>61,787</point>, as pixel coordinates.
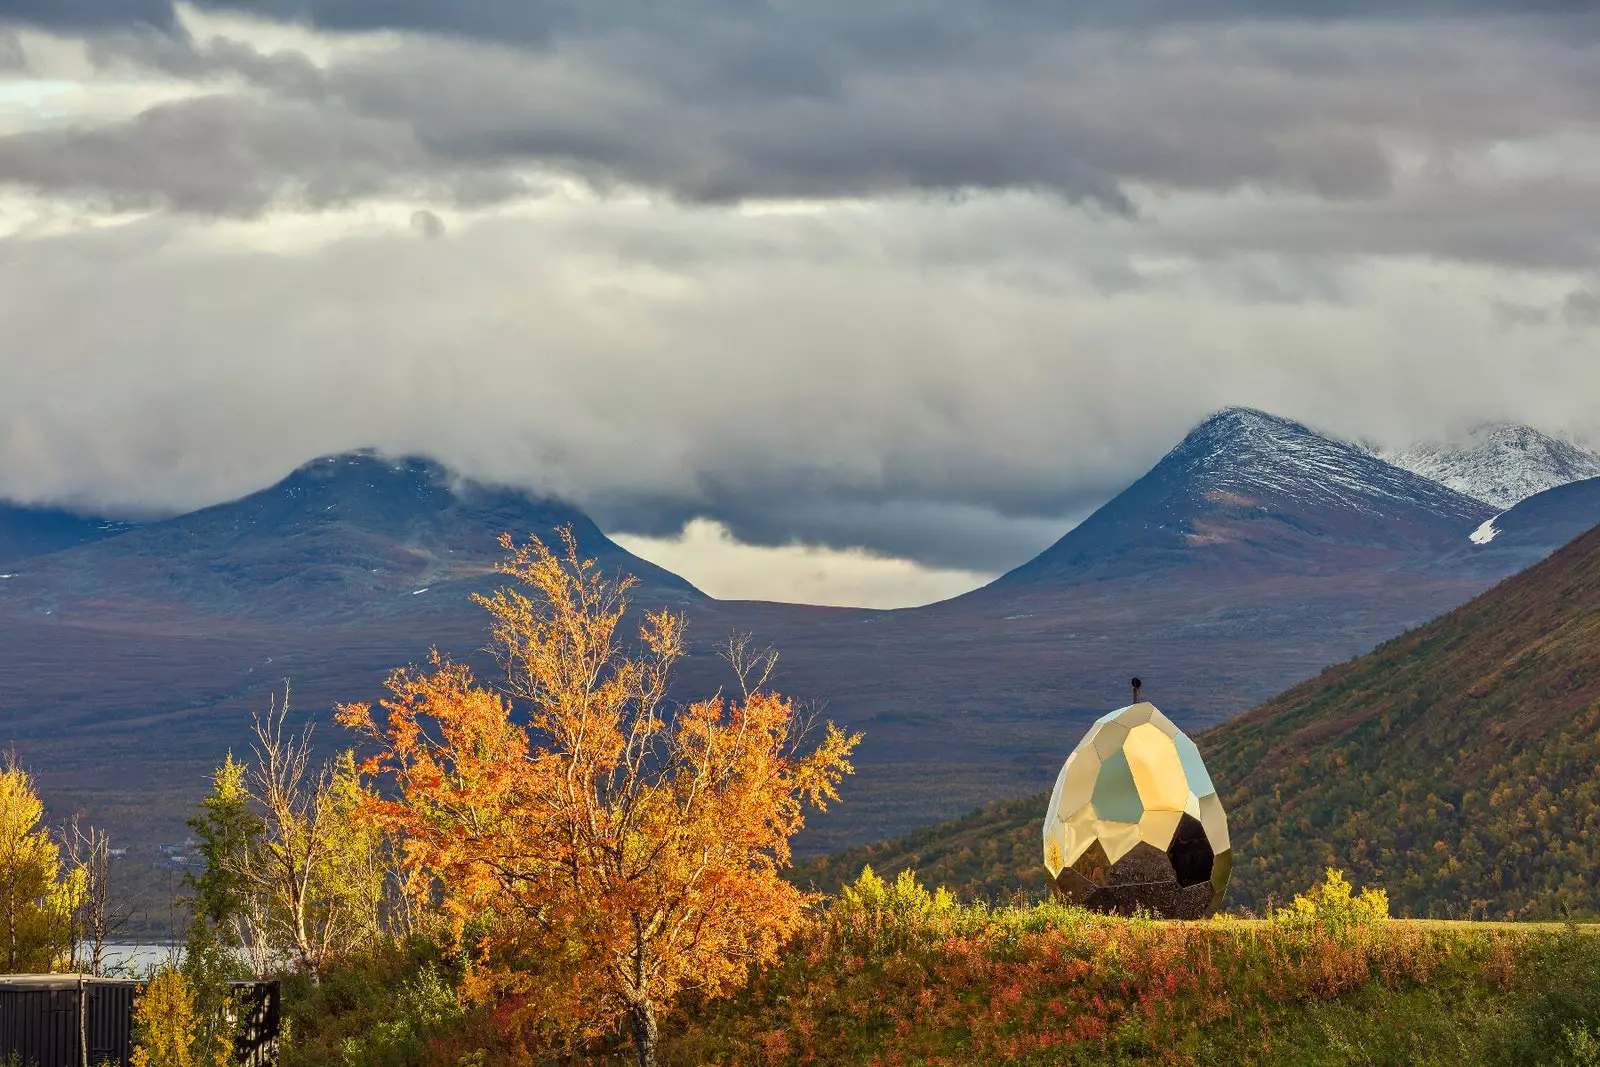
<point>1077,782</point>
<point>1108,739</point>
<point>1116,795</point>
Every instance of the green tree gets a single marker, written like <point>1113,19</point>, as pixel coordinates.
<point>227,907</point>
<point>209,967</point>
<point>348,885</point>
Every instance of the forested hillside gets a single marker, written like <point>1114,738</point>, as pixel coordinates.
<point>1456,765</point>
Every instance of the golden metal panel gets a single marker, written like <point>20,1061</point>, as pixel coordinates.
<point>1157,827</point>
<point>1108,739</point>
<point>1157,770</point>
<point>1118,838</point>
<point>1215,822</point>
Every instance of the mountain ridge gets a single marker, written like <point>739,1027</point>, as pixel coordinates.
<point>1532,528</point>
<point>28,531</point>
<point>1244,490</point>
<point>335,534</point>
<point>1499,463</point>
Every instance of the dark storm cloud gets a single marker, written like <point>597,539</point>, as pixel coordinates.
<point>860,377</point>
<point>215,154</point>
<point>904,26</point>
<point>980,529</point>
<point>229,155</point>
<point>90,14</point>
<point>825,101</point>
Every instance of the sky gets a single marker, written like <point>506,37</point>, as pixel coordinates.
<point>811,300</point>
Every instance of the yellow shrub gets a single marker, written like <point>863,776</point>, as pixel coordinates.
<point>36,899</point>
<point>164,1023</point>
<point>1335,905</point>
<point>904,897</point>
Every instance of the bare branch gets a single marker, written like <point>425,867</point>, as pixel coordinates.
<point>753,669</point>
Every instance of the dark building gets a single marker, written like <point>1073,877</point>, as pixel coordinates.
<point>69,1020</point>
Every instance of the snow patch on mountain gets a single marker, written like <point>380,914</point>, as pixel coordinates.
<point>1484,534</point>
<point>1499,463</point>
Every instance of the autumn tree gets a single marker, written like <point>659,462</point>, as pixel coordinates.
<point>290,872</point>
<point>165,1028</point>
<point>38,898</point>
<point>632,844</point>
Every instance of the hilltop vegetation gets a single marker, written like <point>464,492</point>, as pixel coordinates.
<point>889,973</point>
<point>1455,765</point>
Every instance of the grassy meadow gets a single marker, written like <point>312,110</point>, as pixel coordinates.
<point>888,973</point>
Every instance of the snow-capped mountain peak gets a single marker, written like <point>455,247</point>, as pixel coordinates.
<point>1250,452</point>
<point>1499,463</point>
<point>1256,493</point>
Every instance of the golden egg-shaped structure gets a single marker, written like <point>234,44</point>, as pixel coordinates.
<point>1135,823</point>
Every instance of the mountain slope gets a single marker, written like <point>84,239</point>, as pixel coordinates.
<point>26,531</point>
<point>1247,493</point>
<point>1499,463</point>
<point>340,534</point>
<point>1528,532</point>
<point>1456,765</point>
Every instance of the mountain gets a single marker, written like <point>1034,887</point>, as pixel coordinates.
<point>338,535</point>
<point>1499,463</point>
<point>132,662</point>
<point>1532,529</point>
<point>1250,494</point>
<point>1454,765</point>
<point>1256,554</point>
<point>33,531</point>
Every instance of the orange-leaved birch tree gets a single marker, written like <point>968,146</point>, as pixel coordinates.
<point>635,844</point>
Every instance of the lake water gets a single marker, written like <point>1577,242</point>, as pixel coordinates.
<point>135,959</point>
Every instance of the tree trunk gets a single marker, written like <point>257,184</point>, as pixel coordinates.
<point>642,1021</point>
<point>11,923</point>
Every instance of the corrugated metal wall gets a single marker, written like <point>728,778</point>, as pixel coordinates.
<point>108,1022</point>
<point>39,1021</point>
<point>40,1026</point>
<point>258,1012</point>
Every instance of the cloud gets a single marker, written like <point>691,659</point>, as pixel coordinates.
<point>90,14</point>
<point>1582,307</point>
<point>920,284</point>
<point>899,27</point>
<point>11,55</point>
<point>230,155</point>
<point>901,377</point>
<point>427,224</point>
<point>1400,142</point>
